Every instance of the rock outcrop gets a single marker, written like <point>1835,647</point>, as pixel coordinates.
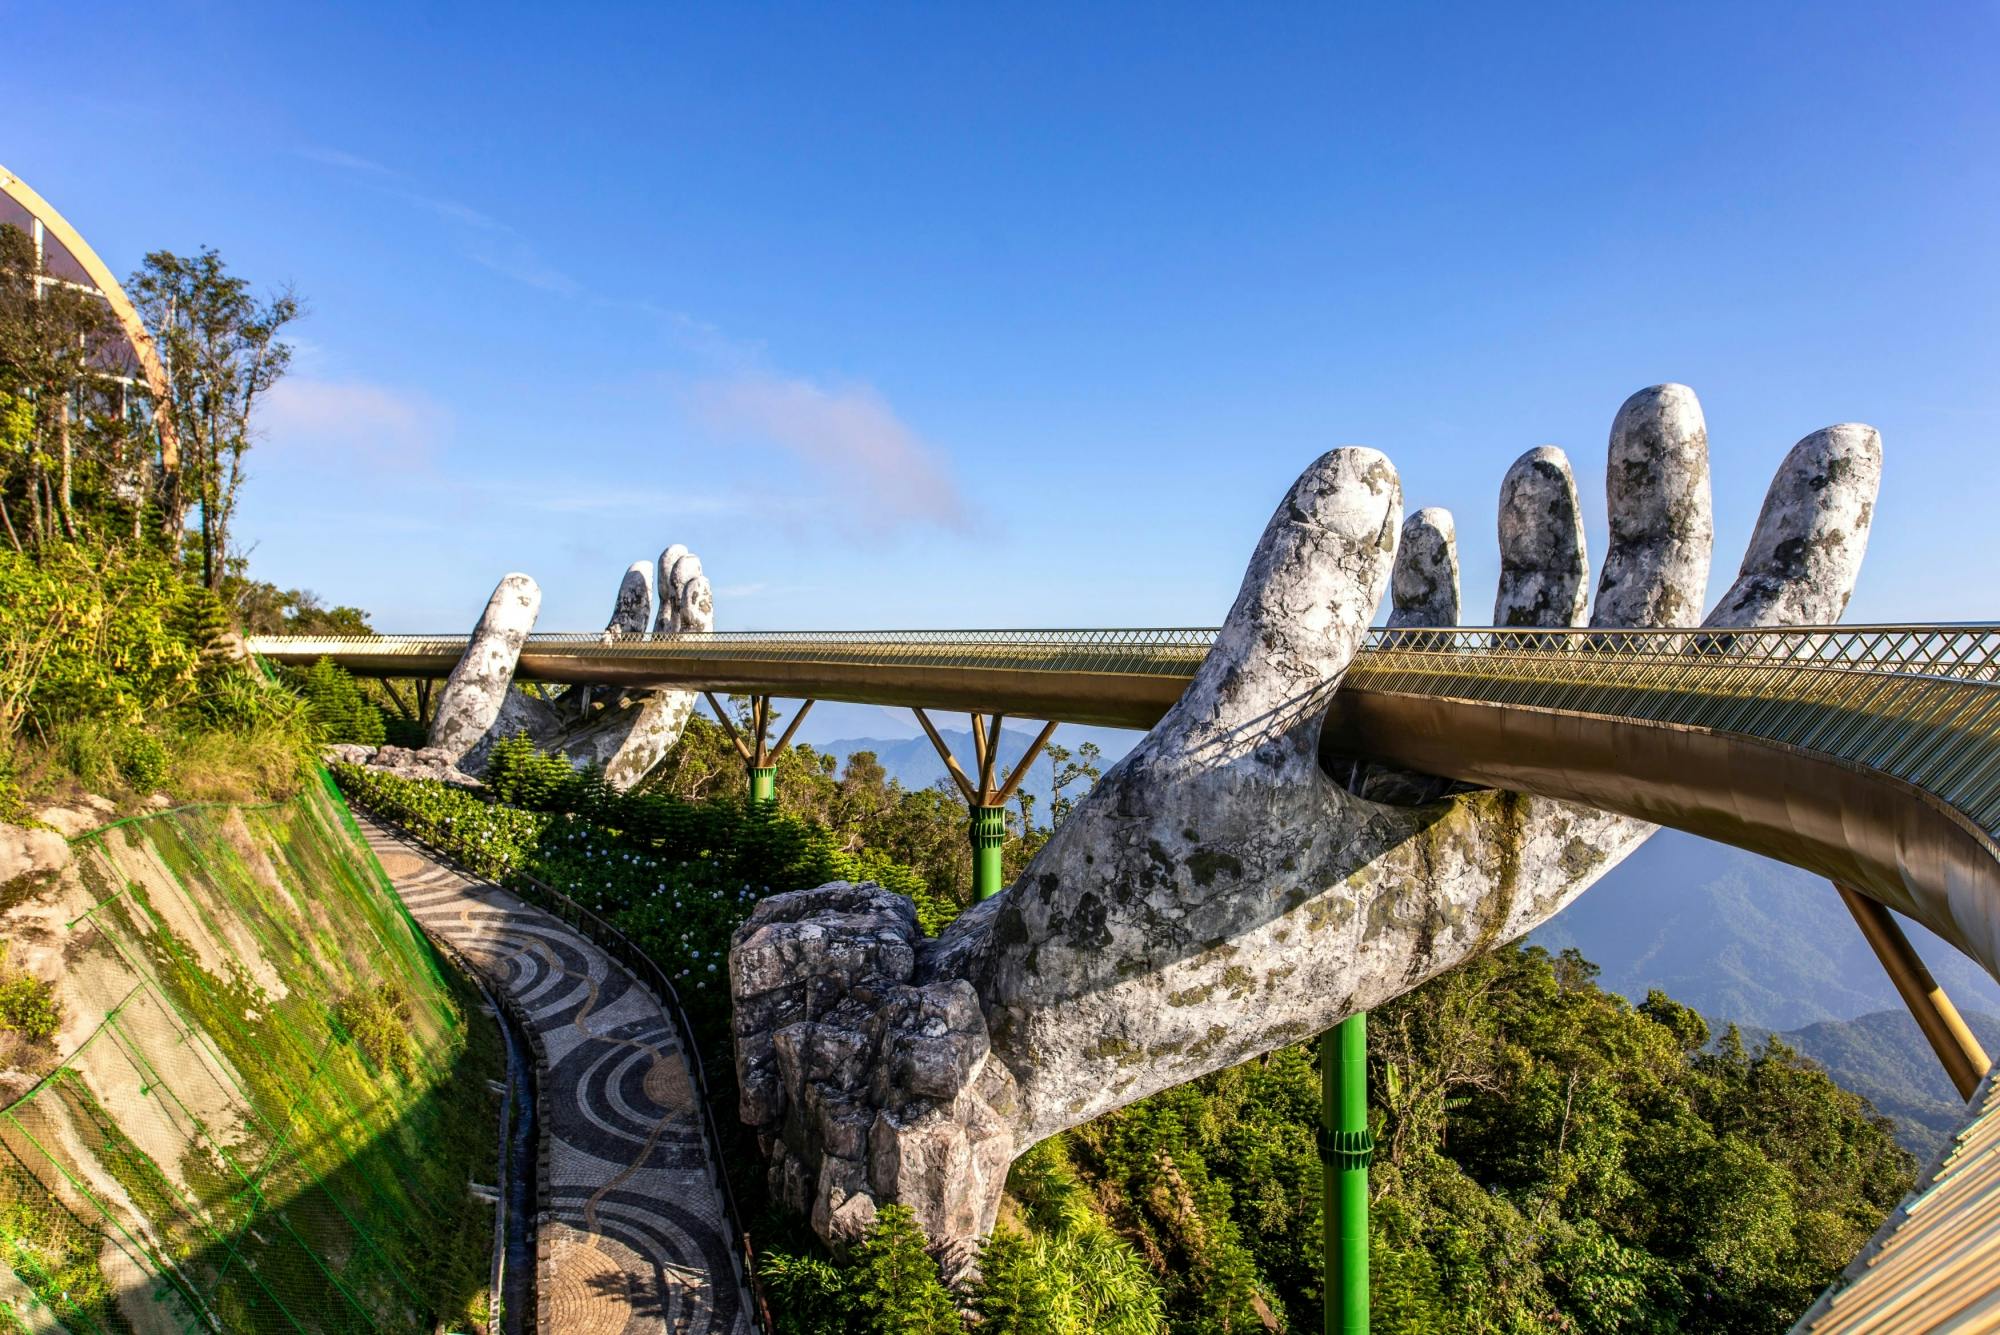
<point>433,763</point>
<point>31,852</point>
<point>1219,895</point>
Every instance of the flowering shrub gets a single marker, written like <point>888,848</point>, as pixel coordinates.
<point>677,878</point>
<point>484,837</point>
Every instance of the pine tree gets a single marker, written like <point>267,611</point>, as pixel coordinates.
<point>1014,1296</point>
<point>898,1282</point>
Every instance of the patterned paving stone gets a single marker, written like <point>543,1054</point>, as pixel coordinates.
<point>632,1237</point>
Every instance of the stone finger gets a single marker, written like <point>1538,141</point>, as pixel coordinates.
<point>697,601</point>
<point>1662,522</point>
<point>668,607</point>
<point>1806,552</point>
<point>1313,584</point>
<point>634,607</point>
<point>1423,587</point>
<point>1542,557</point>
<point>474,692</point>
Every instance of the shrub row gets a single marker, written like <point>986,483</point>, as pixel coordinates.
<point>677,880</point>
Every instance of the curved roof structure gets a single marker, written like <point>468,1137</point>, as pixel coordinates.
<point>67,258</point>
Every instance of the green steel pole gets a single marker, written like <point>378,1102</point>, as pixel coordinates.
<point>1345,1150</point>
<point>764,785</point>
<point>989,831</point>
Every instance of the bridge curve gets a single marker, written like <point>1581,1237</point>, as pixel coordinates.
<point>1867,754</point>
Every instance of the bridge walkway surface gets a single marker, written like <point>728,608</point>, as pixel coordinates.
<point>632,1236</point>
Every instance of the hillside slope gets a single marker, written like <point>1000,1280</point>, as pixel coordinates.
<point>270,1100</point>
<point>1885,1058</point>
<point>1739,937</point>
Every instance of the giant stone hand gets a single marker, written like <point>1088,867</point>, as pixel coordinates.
<point>622,732</point>
<point>1219,895</point>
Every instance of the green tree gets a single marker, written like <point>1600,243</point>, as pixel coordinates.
<point>897,1283</point>
<point>222,352</point>
<point>50,332</point>
<point>1066,770</point>
<point>1013,1296</point>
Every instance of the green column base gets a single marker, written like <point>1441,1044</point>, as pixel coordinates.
<point>989,832</point>
<point>764,785</point>
<point>1346,1148</point>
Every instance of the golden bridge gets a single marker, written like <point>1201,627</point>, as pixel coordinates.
<point>1867,754</point>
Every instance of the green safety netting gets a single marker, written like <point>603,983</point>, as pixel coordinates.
<point>250,1139</point>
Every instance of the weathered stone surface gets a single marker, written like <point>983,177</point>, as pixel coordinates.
<point>1217,895</point>
<point>1542,557</point>
<point>1662,525</point>
<point>432,762</point>
<point>87,813</point>
<point>347,753</point>
<point>1423,587</point>
<point>867,1087</point>
<point>472,696</point>
<point>669,588</point>
<point>622,732</point>
<point>26,852</point>
<point>634,607</point>
<point>1806,551</point>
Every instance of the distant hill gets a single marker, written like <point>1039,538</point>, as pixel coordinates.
<point>1885,1058</point>
<point>1742,938</point>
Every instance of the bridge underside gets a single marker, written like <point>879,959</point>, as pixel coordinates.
<point>1858,827</point>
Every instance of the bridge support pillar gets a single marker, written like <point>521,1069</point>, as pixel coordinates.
<point>989,832</point>
<point>1965,1060</point>
<point>760,758</point>
<point>986,795</point>
<point>1346,1147</point>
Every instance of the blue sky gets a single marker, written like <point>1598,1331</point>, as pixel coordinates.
<point>942,315</point>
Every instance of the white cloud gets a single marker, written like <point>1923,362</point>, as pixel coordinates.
<point>487,241</point>
<point>339,421</point>
<point>851,433</point>
<point>335,157</point>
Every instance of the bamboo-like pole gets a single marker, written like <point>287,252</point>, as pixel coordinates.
<point>1345,1151</point>
<point>1965,1060</point>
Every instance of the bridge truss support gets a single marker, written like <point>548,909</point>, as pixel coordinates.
<point>985,803</point>
<point>1965,1060</point>
<point>759,758</point>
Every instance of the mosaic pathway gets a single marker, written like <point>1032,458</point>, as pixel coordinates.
<point>631,1237</point>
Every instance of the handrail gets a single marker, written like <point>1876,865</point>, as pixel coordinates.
<point>1965,650</point>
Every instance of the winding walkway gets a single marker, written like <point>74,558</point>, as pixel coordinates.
<point>632,1236</point>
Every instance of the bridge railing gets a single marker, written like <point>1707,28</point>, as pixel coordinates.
<point>1969,652</point>
<point>1920,702</point>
